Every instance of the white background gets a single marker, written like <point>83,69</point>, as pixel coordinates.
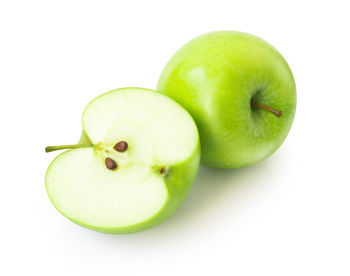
<point>289,215</point>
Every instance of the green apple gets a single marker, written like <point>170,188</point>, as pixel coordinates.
<point>135,163</point>
<point>240,92</point>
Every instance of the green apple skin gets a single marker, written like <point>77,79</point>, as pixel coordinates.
<point>215,77</point>
<point>178,180</point>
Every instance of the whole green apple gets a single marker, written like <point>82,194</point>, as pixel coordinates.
<point>240,92</point>
<point>134,165</point>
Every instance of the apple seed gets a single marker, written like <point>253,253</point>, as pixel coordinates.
<point>121,146</point>
<point>110,163</point>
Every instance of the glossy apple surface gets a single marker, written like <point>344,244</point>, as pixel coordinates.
<point>221,78</point>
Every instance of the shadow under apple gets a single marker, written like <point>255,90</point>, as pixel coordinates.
<point>209,190</point>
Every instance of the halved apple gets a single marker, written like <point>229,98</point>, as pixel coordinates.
<point>136,161</point>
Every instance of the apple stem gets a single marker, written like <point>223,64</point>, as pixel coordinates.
<point>278,113</point>
<point>53,148</point>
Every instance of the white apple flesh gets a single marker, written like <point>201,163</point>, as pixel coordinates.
<point>133,188</point>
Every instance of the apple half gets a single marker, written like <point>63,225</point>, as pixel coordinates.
<point>135,163</point>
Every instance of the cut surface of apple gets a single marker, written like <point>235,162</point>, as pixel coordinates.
<point>141,163</point>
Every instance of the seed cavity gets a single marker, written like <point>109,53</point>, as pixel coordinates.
<point>110,163</point>
<point>121,146</point>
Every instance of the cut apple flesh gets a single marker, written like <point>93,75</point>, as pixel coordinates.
<point>159,134</point>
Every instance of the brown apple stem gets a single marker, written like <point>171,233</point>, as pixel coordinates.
<point>278,113</point>
<point>53,148</point>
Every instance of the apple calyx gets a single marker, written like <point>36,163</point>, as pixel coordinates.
<point>278,113</point>
<point>162,171</point>
<point>53,148</point>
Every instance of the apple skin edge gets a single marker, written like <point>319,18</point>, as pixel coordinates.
<point>183,173</point>
<point>216,77</point>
